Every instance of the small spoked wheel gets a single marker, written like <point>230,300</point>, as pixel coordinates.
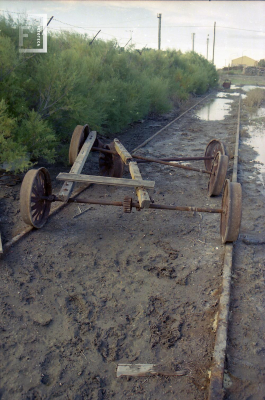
<point>110,164</point>
<point>212,148</point>
<point>34,209</point>
<point>218,174</point>
<point>232,211</point>
<point>79,137</point>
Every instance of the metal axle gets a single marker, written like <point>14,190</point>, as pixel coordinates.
<point>136,205</point>
<point>161,161</point>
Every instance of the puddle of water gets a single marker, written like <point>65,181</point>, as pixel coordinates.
<point>247,88</point>
<point>257,140</point>
<point>225,94</point>
<point>215,110</point>
<point>259,113</point>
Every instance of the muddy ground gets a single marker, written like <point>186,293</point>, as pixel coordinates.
<point>87,293</point>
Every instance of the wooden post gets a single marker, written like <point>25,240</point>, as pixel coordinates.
<point>77,167</point>
<point>123,153</point>
<point>143,197</point>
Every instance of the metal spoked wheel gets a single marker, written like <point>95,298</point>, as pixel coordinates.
<point>212,148</point>
<point>218,174</point>
<point>79,137</point>
<point>110,164</point>
<point>232,211</point>
<point>33,208</point>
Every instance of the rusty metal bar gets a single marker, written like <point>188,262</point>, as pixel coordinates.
<point>158,159</point>
<point>104,150</point>
<point>180,159</point>
<point>155,160</point>
<point>137,205</point>
<point>184,208</point>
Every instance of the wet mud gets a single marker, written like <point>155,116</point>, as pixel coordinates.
<point>87,293</point>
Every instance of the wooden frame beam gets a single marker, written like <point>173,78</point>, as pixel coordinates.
<point>77,167</point>
<point>143,196</point>
<point>105,180</point>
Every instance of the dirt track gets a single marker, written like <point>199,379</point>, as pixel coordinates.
<point>84,294</point>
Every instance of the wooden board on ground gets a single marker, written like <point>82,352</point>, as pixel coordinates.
<point>143,197</point>
<point>123,153</point>
<point>105,180</point>
<point>146,370</point>
<point>77,167</point>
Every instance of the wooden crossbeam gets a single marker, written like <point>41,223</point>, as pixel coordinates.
<point>143,196</point>
<point>77,167</point>
<point>105,180</point>
<point>123,153</point>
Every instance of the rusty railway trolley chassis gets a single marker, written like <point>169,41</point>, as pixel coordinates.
<point>36,190</point>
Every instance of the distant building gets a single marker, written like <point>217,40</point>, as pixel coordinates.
<point>244,60</point>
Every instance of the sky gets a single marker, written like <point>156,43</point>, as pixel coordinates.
<point>240,25</point>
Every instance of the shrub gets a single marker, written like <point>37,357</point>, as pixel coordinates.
<point>13,156</point>
<point>255,97</point>
<point>75,83</point>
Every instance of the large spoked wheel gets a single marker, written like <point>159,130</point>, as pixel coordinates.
<point>33,208</point>
<point>111,164</point>
<point>218,174</point>
<point>79,137</point>
<point>211,150</point>
<point>232,211</point>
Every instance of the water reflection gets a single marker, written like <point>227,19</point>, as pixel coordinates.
<point>247,88</point>
<point>257,140</point>
<point>215,110</point>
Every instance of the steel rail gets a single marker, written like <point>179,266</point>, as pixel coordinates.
<point>165,127</point>
<point>216,390</point>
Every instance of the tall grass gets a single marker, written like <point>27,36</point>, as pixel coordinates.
<point>46,95</point>
<point>255,97</point>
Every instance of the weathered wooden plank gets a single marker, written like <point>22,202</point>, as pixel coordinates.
<point>105,180</point>
<point>123,153</point>
<point>77,167</point>
<point>146,370</point>
<point>143,196</point>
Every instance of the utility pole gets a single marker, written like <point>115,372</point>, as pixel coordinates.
<point>192,35</point>
<point>207,46</point>
<point>159,16</point>
<point>214,40</point>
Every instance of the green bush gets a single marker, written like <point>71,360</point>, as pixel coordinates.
<point>47,95</point>
<point>13,156</point>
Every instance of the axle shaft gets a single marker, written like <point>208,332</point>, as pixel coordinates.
<point>137,205</point>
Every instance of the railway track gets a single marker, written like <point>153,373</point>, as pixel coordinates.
<point>216,390</point>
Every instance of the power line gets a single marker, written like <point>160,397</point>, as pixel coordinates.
<point>145,27</point>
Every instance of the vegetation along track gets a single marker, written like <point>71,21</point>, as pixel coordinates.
<point>84,294</point>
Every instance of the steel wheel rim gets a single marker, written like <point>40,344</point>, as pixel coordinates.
<point>218,174</point>
<point>232,209</point>
<point>34,208</point>
<point>79,137</point>
<point>211,150</point>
